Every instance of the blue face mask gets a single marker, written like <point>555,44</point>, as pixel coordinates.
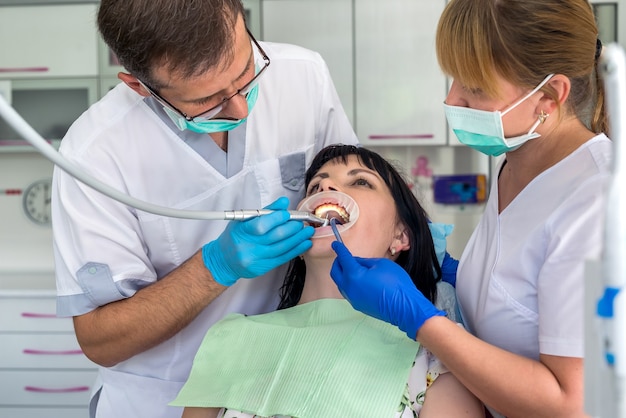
<point>212,125</point>
<point>482,130</point>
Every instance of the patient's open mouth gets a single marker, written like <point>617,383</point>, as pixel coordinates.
<point>332,210</point>
<point>331,205</point>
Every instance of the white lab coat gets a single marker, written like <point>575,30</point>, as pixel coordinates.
<point>520,282</point>
<point>105,251</point>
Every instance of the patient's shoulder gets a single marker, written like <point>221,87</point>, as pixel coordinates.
<point>446,301</point>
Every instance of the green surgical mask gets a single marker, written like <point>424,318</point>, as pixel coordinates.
<point>212,125</point>
<point>482,130</point>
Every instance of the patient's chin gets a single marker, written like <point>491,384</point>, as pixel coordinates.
<point>321,248</point>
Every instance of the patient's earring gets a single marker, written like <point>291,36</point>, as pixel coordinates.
<point>392,250</point>
<point>543,116</point>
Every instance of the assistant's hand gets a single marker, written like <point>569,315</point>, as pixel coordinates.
<point>251,248</point>
<point>449,266</point>
<point>381,288</point>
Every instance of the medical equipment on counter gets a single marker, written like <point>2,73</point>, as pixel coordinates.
<point>611,307</point>
<point>28,133</point>
<point>460,189</point>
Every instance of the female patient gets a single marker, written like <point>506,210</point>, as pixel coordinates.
<point>316,356</point>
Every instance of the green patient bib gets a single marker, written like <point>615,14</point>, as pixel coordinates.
<point>316,360</point>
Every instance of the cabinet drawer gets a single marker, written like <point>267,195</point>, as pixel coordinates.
<point>32,314</point>
<point>44,412</point>
<point>37,101</point>
<point>42,351</point>
<point>51,41</point>
<point>46,387</point>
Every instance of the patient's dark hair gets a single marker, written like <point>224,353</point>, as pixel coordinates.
<point>419,261</point>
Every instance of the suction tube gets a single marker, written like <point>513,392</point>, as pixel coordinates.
<point>28,133</point>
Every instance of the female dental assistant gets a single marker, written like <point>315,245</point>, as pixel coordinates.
<point>206,118</point>
<point>525,85</point>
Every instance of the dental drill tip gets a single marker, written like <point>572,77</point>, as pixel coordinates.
<point>317,220</point>
<point>298,215</point>
<point>333,225</point>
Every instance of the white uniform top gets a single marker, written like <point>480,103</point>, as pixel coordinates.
<point>106,251</point>
<point>520,280</point>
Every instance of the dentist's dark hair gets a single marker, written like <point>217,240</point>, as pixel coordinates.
<point>419,261</point>
<point>187,37</point>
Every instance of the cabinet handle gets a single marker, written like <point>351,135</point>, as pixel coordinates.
<point>24,70</point>
<point>63,390</point>
<point>52,352</point>
<point>37,315</point>
<point>416,136</point>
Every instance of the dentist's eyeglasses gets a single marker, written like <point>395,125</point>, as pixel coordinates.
<point>212,112</point>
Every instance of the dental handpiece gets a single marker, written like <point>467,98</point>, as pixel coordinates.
<point>295,215</point>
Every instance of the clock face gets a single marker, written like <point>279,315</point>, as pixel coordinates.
<point>36,202</point>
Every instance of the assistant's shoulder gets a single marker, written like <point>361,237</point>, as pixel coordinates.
<point>601,151</point>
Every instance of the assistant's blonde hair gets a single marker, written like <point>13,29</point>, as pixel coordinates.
<point>523,41</point>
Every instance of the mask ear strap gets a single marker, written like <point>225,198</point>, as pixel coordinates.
<point>540,119</point>
<point>532,128</point>
<point>533,91</point>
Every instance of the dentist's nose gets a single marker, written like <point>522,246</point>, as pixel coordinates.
<point>235,108</point>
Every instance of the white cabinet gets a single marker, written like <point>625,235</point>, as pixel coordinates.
<point>107,84</point>
<point>399,86</point>
<point>109,66</point>
<point>43,372</point>
<point>48,41</point>
<point>381,56</point>
<point>50,105</point>
<point>43,413</point>
<point>324,26</point>
<point>252,11</point>
<point>49,68</point>
<point>609,20</point>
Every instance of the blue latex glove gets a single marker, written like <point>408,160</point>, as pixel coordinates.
<point>381,288</point>
<point>252,248</point>
<point>448,269</point>
<point>448,264</point>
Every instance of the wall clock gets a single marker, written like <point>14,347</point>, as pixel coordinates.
<point>36,202</point>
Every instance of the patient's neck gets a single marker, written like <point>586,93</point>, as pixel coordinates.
<point>318,284</point>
